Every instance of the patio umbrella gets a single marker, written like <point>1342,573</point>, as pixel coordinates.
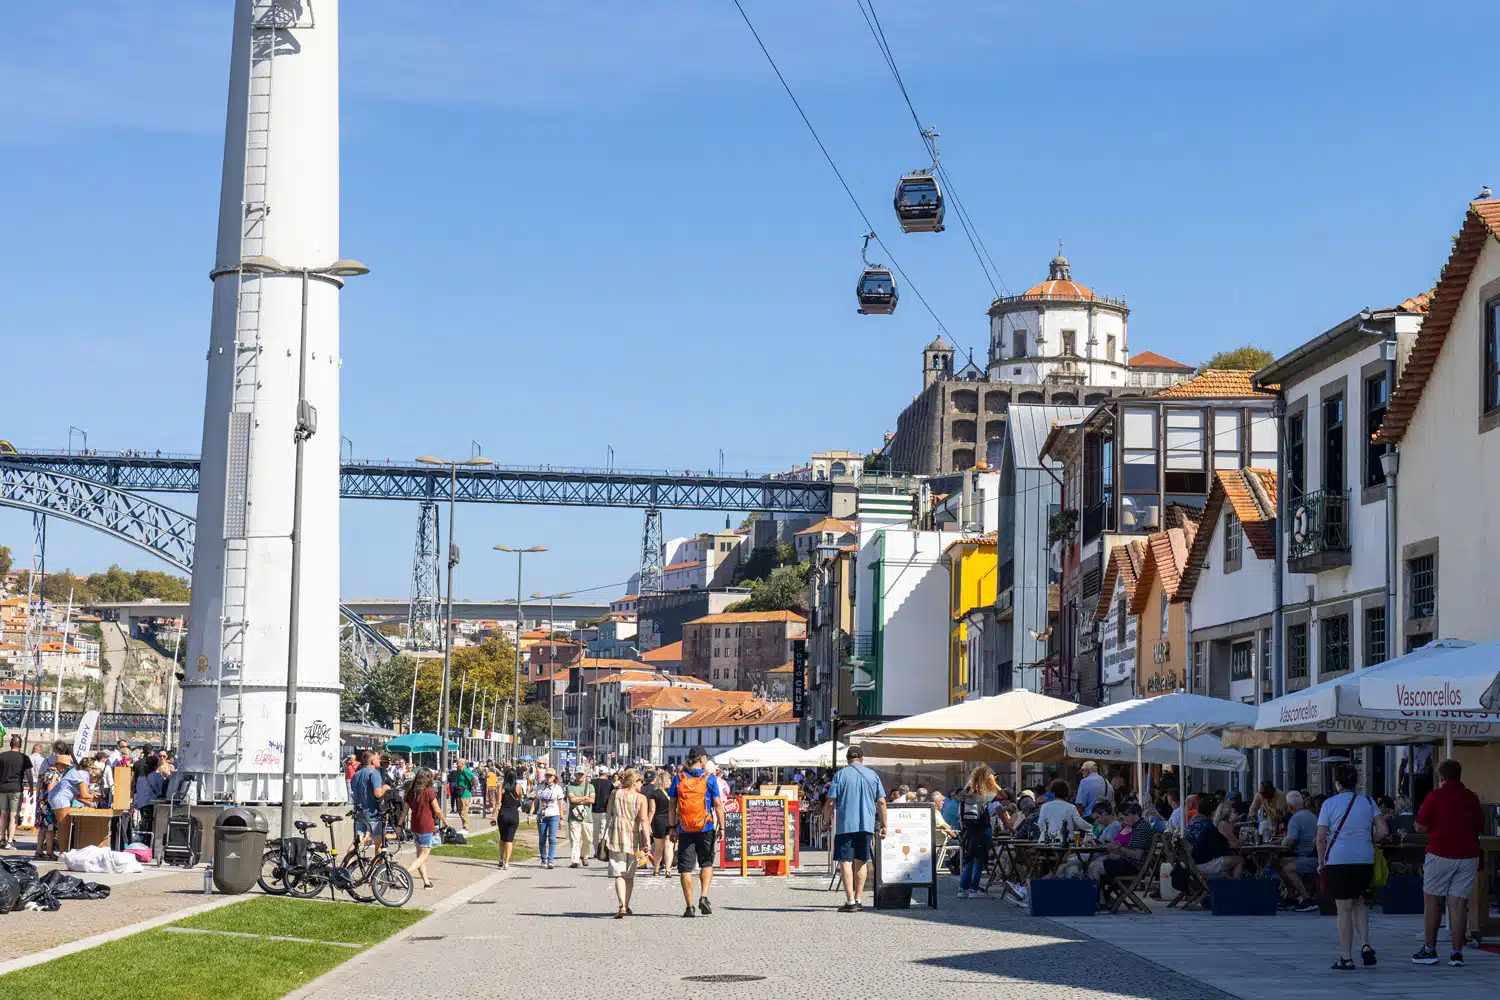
<point>1178,718</point>
<point>828,753</point>
<point>986,729</point>
<point>731,758</point>
<point>1207,752</point>
<point>418,743</point>
<point>1454,684</point>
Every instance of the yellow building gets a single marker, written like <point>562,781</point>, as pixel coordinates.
<point>1161,619</point>
<point>973,565</point>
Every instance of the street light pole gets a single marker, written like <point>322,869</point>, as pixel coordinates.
<point>515,751</point>
<point>448,624</point>
<point>305,426</point>
<point>551,684</point>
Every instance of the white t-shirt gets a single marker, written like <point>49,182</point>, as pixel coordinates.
<point>550,796</point>
<point>1354,844</point>
<point>1060,817</point>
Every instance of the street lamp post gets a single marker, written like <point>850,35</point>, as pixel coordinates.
<point>452,467</point>
<point>551,684</point>
<point>515,751</point>
<point>305,426</point>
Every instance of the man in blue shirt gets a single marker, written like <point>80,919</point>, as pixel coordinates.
<point>856,799</point>
<point>366,790</point>
<point>697,811</point>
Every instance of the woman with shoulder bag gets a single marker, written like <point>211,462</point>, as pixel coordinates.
<point>1349,826</point>
<point>974,825</point>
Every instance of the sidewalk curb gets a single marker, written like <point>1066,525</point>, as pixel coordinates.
<point>83,944</point>
<point>459,898</point>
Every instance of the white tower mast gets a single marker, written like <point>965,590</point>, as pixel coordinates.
<point>279,201</point>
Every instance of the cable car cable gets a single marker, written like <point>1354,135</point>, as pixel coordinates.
<point>869,227</point>
<point>976,242</point>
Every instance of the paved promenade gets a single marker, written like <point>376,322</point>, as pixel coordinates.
<point>786,931</point>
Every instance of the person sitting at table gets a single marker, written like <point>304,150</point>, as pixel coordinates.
<point>1302,839</point>
<point>1168,807</point>
<point>938,802</point>
<point>1212,838</point>
<point>1105,826</point>
<point>1007,819</point>
<point>1059,819</point>
<point>1269,809</point>
<point>1027,821</point>
<point>1122,858</point>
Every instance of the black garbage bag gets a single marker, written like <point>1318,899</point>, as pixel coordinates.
<point>64,886</point>
<point>23,871</point>
<point>39,897</point>
<point>10,892</point>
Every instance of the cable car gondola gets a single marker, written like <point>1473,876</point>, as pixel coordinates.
<point>876,290</point>
<point>919,197</point>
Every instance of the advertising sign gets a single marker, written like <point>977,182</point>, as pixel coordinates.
<point>906,855</point>
<point>799,677</point>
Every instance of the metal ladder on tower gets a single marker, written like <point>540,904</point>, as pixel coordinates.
<point>229,721</point>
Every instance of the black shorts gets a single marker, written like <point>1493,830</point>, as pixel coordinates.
<point>510,821</point>
<point>1349,881</point>
<point>660,830</point>
<point>694,851</point>
<point>852,846</point>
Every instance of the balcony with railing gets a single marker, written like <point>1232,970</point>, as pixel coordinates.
<point>1319,531</point>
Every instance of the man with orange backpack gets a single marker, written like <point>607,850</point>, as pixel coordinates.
<point>697,811</point>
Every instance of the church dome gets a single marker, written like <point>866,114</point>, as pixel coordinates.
<point>1059,284</point>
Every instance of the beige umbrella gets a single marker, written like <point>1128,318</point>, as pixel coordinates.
<point>986,729</point>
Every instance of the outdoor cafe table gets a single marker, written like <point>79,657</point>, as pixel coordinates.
<point>1051,857</point>
<point>1264,855</point>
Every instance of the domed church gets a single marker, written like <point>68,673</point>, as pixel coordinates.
<point>1057,343</point>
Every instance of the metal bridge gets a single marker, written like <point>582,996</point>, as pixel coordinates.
<point>109,722</point>
<point>551,485</point>
<point>166,533</point>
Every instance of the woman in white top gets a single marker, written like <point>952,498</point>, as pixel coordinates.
<point>1059,818</point>
<point>1348,827</point>
<point>549,797</point>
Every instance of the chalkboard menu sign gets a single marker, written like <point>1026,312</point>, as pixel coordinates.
<point>763,829</point>
<point>731,840</point>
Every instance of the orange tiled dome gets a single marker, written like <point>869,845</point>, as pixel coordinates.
<point>1059,284</point>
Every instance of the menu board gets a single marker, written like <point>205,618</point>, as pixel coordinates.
<point>763,830</point>
<point>905,855</point>
<point>731,839</point>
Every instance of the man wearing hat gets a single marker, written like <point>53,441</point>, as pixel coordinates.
<point>856,798</point>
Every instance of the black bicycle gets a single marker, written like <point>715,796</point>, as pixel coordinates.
<point>374,878</point>
<point>278,866</point>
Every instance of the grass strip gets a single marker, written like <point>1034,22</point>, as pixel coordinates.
<point>483,845</point>
<point>161,963</point>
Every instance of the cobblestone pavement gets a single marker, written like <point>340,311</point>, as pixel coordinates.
<point>785,930</point>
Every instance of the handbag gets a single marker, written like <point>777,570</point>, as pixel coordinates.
<point>1323,869</point>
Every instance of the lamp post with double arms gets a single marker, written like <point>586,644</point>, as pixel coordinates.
<point>452,467</point>
<point>305,425</point>
<point>551,600</point>
<point>515,718</point>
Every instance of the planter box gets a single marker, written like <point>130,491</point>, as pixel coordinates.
<point>1063,897</point>
<point>1402,894</point>
<point>1244,897</point>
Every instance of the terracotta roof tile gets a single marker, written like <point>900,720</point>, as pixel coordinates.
<point>669,569</point>
<point>785,668</point>
<point>1124,565</point>
<point>987,539</point>
<point>741,617</point>
<point>1166,557</point>
<point>1416,304</point>
<point>1059,288</point>
<point>692,699</point>
<point>1150,359</point>
<point>750,712</point>
<point>1481,225</point>
<point>1215,382</point>
<point>830,524</point>
<point>1251,494</point>
<point>670,653</point>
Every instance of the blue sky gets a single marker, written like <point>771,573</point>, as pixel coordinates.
<point>611,229</point>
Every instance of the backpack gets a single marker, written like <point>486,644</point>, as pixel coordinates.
<point>973,810</point>
<point>692,802</point>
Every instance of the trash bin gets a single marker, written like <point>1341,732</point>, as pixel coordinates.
<point>239,844</point>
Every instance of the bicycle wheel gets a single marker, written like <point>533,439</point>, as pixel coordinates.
<point>391,883</point>
<point>272,878</point>
<point>305,883</point>
<point>357,867</point>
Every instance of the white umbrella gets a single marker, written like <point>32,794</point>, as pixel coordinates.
<point>1178,717</point>
<point>824,754</point>
<point>984,729</point>
<point>1447,683</point>
<point>731,758</point>
<point>1207,752</point>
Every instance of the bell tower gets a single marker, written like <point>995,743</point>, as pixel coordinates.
<point>937,362</point>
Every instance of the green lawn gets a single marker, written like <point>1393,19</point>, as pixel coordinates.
<point>160,963</point>
<point>484,846</point>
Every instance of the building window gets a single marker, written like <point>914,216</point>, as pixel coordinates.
<point>1296,651</point>
<point>1376,398</point>
<point>1335,634</point>
<point>1375,647</point>
<point>1109,347</point>
<point>716,651</point>
<point>1241,661</point>
<point>1070,342</point>
<point>1151,378</point>
<point>1492,355</point>
<point>1333,443</point>
<point>1165,606</point>
<point>1265,655</point>
<point>1122,619</point>
<point>1296,455</point>
<point>1423,587</point>
<point>1140,451</point>
<point>1019,338</point>
<point>1198,683</point>
<point>1135,378</point>
<point>1233,538</point>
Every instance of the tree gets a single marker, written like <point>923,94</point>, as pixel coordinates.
<point>384,693</point>
<point>537,722</point>
<point>763,561</point>
<point>1247,358</point>
<point>488,668</point>
<point>784,590</point>
<point>5,560</point>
